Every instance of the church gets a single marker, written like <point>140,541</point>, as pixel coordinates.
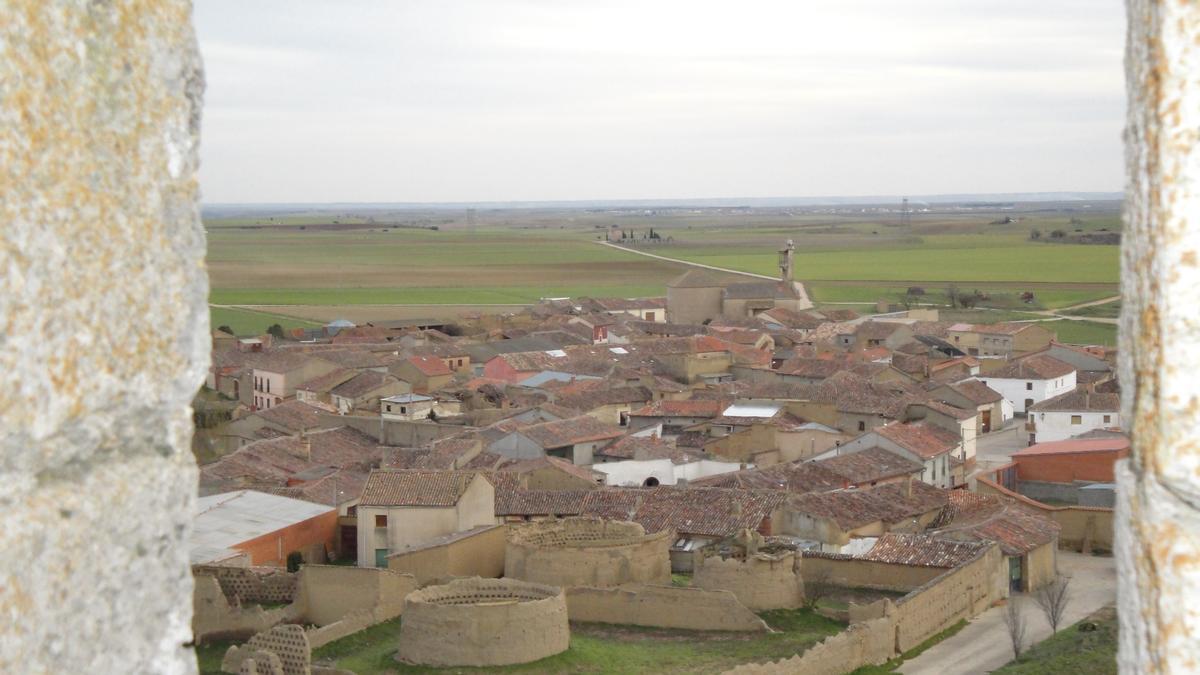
<point>698,296</point>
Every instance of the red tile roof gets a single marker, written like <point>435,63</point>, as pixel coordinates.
<point>430,366</point>
<point>922,550</point>
<point>872,464</point>
<point>924,440</point>
<point>889,503</point>
<point>1080,400</point>
<point>1017,528</point>
<point>559,433</point>
<point>399,487</point>
<point>694,408</point>
<point>1036,367</point>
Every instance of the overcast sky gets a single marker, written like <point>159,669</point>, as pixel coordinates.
<point>559,99</point>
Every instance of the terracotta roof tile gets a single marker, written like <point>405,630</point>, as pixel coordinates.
<point>924,440</point>
<point>398,487</point>
<point>1036,367</point>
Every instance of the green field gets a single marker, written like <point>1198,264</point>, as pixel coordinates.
<point>1084,332</point>
<point>244,322</point>
<point>340,258</point>
<point>1073,650</point>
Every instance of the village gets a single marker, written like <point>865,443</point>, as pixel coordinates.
<point>484,488</point>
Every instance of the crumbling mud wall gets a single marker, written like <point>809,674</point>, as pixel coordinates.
<point>483,622</point>
<point>587,552</point>
<point>218,616</point>
<point>759,580</point>
<point>103,309</point>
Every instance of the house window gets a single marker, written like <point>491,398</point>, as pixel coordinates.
<point>403,410</point>
<point>649,316</point>
<point>1076,419</point>
<point>1028,386</point>
<point>380,520</point>
<point>268,386</point>
<point>1107,419</point>
<point>862,426</point>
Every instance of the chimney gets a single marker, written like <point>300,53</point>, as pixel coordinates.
<point>737,508</point>
<point>305,446</point>
<point>908,487</point>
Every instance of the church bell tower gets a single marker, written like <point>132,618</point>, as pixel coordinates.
<point>785,261</point>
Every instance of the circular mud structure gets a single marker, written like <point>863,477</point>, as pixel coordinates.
<point>483,622</point>
<point>587,552</point>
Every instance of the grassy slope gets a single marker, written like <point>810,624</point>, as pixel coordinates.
<point>612,649</point>
<point>1073,650</point>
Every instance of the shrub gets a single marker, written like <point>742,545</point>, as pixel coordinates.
<point>294,559</point>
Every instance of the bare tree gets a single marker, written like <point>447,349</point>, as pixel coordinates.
<point>952,295</point>
<point>1014,620</point>
<point>1053,599</point>
<point>817,586</point>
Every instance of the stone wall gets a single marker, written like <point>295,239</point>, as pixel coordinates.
<point>662,607</point>
<point>587,552</point>
<point>760,580</point>
<point>327,593</point>
<point>483,622</point>
<point>474,553</point>
<point>103,309</point>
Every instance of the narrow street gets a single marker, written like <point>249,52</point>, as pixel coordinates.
<point>983,645</point>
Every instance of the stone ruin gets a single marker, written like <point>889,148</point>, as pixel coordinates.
<point>587,552</point>
<point>483,622</point>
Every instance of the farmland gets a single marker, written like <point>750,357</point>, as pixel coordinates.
<point>391,264</point>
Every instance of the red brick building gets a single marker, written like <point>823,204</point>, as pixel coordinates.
<point>1073,460</point>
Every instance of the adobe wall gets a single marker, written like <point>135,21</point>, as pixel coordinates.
<point>848,572</point>
<point>475,553</point>
<point>587,552</point>
<point>1084,528</point>
<point>247,585</point>
<point>759,581</point>
<point>287,643</point>
<point>960,593</point>
<point>867,643</point>
<point>894,628</point>
<point>214,616</point>
<point>327,593</point>
<point>483,622</point>
<point>662,607</point>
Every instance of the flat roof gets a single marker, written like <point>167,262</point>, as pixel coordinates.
<point>764,409</point>
<point>1075,447</point>
<point>225,520</point>
<point>407,398</point>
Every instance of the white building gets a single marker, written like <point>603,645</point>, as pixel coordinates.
<point>406,407</point>
<point>1033,379</point>
<point>1071,414</point>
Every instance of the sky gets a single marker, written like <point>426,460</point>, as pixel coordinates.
<point>499,100</point>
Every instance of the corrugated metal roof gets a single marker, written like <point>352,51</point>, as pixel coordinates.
<point>228,519</point>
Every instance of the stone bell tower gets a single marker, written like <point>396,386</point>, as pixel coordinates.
<point>785,261</point>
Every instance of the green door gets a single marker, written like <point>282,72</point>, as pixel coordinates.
<point>381,555</point>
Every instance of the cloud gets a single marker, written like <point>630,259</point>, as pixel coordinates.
<point>530,99</point>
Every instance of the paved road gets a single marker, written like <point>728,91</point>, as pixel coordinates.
<point>983,645</point>
<point>996,448</point>
<point>686,262</point>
